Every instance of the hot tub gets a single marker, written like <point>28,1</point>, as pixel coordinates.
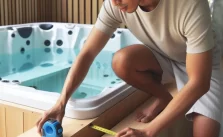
<point>35,60</point>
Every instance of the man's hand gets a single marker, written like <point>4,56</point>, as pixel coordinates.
<point>56,113</point>
<point>130,132</point>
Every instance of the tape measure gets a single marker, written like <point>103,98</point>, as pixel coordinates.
<point>104,130</point>
<point>52,128</point>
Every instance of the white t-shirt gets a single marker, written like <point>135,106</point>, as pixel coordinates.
<point>173,28</point>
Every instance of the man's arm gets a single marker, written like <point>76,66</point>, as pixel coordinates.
<point>199,67</point>
<point>94,44</point>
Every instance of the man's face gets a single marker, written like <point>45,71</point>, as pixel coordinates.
<point>126,5</point>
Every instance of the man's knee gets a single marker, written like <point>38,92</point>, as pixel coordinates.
<point>121,63</point>
<point>136,58</point>
<point>204,126</point>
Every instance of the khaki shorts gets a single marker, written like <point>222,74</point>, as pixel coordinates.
<point>210,104</point>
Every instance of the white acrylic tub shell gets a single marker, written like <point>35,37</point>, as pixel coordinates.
<point>78,108</point>
<point>27,96</point>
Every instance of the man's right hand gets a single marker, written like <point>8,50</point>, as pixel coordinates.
<point>56,112</point>
<point>94,44</point>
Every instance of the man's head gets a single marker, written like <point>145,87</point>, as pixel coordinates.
<point>127,5</point>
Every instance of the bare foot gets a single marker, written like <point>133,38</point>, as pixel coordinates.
<point>149,113</point>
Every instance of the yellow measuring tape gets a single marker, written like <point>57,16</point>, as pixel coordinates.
<point>107,131</point>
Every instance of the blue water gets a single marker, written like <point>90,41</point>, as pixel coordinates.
<point>30,62</point>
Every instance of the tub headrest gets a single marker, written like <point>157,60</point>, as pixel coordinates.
<point>25,32</point>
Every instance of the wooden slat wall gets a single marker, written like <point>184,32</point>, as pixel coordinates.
<point>77,11</point>
<point>15,121</point>
<point>28,11</point>
<point>18,11</point>
<point>2,121</point>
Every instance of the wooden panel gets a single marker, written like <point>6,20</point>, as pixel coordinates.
<point>36,10</point>
<point>32,6</point>
<point>13,12</point>
<point>27,11</point>
<point>30,119</point>
<point>54,13</point>
<point>70,11</point>
<point>2,121</point>
<point>88,12</point>
<point>179,128</point>
<point>64,10</point>
<point>9,6</point>
<point>21,15</point>
<point>17,10</point>
<point>43,12</point>
<point>2,12</point>
<point>24,10</point>
<point>50,10</point>
<point>59,12</point>
<point>39,10</point>
<point>6,12</point>
<point>94,11</point>
<point>112,117</point>
<point>82,11</point>
<point>14,121</point>
<point>75,11</point>
<point>30,10</point>
<point>46,12</point>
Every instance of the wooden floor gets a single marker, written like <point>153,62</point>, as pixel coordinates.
<point>180,128</point>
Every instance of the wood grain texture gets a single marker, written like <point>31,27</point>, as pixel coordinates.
<point>88,11</point>
<point>2,12</point>
<point>94,11</point>
<point>36,10</point>
<point>14,121</point>
<point>2,121</point>
<point>82,11</point>
<point>59,10</point>
<point>27,11</point>
<point>9,6</point>
<point>64,10</point>
<point>17,10</point>
<point>30,11</point>
<point>70,11</point>
<point>30,119</point>
<point>54,13</point>
<point>13,11</point>
<point>75,11</point>
<point>6,15</point>
<point>180,128</point>
<point>24,10</point>
<point>20,11</point>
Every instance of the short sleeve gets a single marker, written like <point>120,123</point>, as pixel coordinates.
<point>108,19</point>
<point>198,28</point>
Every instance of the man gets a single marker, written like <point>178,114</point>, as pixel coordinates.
<point>178,45</point>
